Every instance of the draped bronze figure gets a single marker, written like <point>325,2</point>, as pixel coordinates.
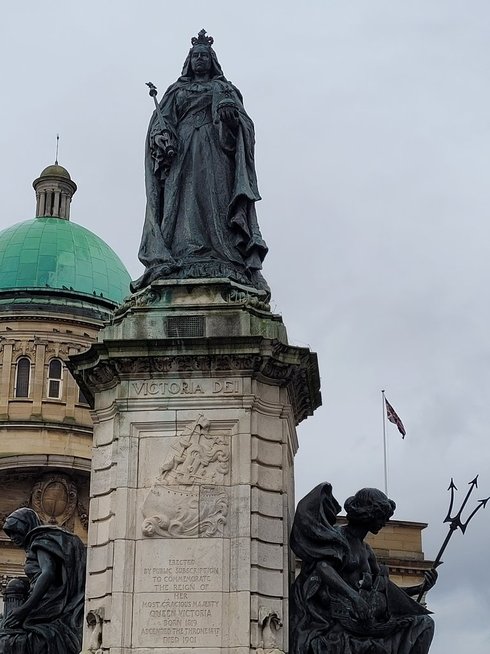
<point>49,619</point>
<point>343,602</point>
<point>201,186</point>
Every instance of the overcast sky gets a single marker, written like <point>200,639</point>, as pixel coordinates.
<point>373,139</point>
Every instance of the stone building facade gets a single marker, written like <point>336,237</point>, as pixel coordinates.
<point>399,546</point>
<point>59,283</point>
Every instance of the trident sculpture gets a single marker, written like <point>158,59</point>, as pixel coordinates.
<point>455,521</point>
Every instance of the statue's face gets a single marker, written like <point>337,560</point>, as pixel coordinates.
<point>15,531</point>
<point>200,59</point>
<point>377,524</point>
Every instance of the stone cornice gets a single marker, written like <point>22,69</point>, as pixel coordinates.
<point>37,425</point>
<point>404,566</point>
<point>18,462</point>
<point>60,318</point>
<point>104,365</point>
<point>91,302</point>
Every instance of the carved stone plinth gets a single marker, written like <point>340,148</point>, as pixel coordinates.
<point>196,400</point>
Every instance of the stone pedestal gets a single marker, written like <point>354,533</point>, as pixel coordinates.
<point>196,400</point>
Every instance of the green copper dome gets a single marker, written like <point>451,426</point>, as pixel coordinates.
<point>49,253</point>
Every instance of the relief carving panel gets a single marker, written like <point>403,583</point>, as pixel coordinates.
<point>188,497</point>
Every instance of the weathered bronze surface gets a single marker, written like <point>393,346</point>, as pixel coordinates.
<point>48,619</point>
<point>343,601</point>
<point>201,185</point>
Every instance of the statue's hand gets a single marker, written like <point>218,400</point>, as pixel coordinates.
<point>361,610</point>
<point>15,618</point>
<point>430,578</point>
<point>228,114</point>
<point>166,143</point>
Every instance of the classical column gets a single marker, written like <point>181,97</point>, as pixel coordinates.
<point>39,379</point>
<point>6,348</point>
<point>41,204</point>
<point>71,392</point>
<point>56,203</point>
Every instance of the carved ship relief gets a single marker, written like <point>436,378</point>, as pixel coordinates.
<point>188,498</point>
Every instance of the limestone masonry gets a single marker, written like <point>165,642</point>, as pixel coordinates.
<point>197,395</point>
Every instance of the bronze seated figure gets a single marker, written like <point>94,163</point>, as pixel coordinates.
<point>48,618</point>
<point>343,602</point>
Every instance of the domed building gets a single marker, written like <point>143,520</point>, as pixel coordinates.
<point>59,283</point>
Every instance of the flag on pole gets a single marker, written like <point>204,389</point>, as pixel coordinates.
<point>393,417</point>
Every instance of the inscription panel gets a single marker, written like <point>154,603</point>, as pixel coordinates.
<point>183,619</point>
<point>186,387</point>
<point>178,565</point>
<point>178,600</point>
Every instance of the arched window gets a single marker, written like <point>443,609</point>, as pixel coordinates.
<point>55,377</point>
<point>22,377</point>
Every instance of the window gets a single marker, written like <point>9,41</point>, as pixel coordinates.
<point>81,397</point>
<point>55,374</point>
<point>22,377</point>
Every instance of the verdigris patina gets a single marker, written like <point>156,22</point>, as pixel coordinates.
<point>343,602</point>
<point>49,621</point>
<point>201,185</point>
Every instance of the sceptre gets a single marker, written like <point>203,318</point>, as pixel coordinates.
<point>166,140</point>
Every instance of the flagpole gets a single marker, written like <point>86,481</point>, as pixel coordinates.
<point>385,455</point>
